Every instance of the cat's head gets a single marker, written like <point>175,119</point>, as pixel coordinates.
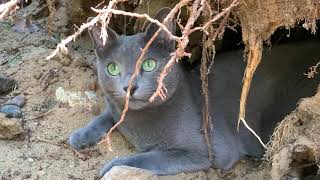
<point>116,62</point>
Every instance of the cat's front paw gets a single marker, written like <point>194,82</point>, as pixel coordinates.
<point>83,138</point>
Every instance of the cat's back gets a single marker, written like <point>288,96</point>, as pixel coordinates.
<point>282,68</point>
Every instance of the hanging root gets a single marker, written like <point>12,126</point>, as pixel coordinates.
<point>208,52</point>
<point>254,56</point>
<point>206,118</point>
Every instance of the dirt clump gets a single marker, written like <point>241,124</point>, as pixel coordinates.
<point>10,128</point>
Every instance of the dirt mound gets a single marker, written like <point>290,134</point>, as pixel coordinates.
<point>295,143</point>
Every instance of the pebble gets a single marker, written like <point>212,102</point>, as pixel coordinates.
<point>18,100</point>
<point>30,160</point>
<point>11,111</point>
<point>26,176</point>
<point>12,108</point>
<point>128,173</point>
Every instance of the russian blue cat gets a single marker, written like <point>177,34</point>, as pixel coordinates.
<point>168,133</point>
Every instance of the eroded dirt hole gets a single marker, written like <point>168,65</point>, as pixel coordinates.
<point>304,163</point>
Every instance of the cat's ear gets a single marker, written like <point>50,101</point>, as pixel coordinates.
<point>163,38</point>
<point>95,32</point>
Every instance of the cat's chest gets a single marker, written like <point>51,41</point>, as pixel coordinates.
<point>164,129</point>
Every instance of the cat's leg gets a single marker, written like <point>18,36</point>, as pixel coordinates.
<point>92,132</point>
<point>163,162</point>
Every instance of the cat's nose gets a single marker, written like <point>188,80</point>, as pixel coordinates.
<point>133,89</point>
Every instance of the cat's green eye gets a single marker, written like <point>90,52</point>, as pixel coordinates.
<point>149,65</point>
<point>113,69</point>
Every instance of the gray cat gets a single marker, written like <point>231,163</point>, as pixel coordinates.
<point>168,133</point>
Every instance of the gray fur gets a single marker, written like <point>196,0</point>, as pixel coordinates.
<point>168,133</point>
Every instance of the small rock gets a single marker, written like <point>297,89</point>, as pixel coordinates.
<point>11,111</point>
<point>30,160</point>
<point>18,100</point>
<point>128,173</point>
<point>9,128</point>
<point>6,84</point>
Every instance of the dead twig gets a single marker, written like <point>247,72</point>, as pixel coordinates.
<point>64,145</point>
<point>42,115</point>
<point>146,16</point>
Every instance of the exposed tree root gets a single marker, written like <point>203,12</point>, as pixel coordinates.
<point>254,55</point>
<point>51,15</point>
